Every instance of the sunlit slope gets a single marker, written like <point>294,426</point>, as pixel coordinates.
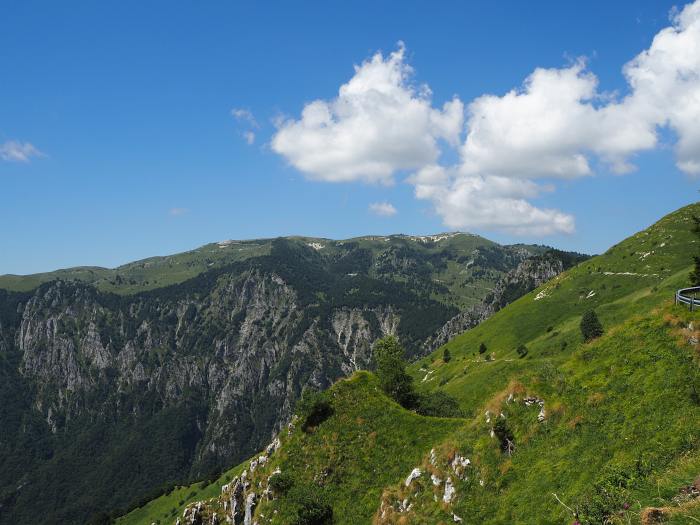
<point>640,272</point>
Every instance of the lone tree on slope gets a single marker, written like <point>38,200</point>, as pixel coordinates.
<point>590,326</point>
<point>391,371</point>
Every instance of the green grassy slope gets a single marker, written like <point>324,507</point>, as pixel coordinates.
<point>618,411</point>
<point>620,432</point>
<point>632,276</point>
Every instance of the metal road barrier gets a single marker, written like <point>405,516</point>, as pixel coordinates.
<point>687,296</point>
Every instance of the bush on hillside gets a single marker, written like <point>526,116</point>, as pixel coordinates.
<point>391,371</point>
<point>446,356</point>
<point>313,408</point>
<point>438,404</point>
<point>522,351</point>
<point>590,326</point>
<point>482,348</point>
<point>312,507</point>
<point>280,483</point>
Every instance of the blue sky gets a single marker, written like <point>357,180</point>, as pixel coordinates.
<point>118,139</point>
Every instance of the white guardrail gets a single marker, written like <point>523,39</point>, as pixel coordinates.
<point>687,296</point>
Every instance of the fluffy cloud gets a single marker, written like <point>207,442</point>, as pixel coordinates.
<point>557,125</point>
<point>558,120</point>
<point>665,84</point>
<point>489,202</point>
<point>549,127</point>
<point>379,123</point>
<point>383,209</point>
<point>15,151</point>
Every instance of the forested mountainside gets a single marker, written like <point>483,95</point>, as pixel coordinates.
<point>116,384</point>
<point>577,403</point>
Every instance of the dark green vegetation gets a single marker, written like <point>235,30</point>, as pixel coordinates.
<point>118,384</point>
<point>398,384</point>
<point>602,432</point>
<point>446,356</point>
<point>391,371</point>
<point>590,326</point>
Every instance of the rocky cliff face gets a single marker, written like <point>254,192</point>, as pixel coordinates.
<point>247,347</point>
<point>178,382</point>
<point>529,274</point>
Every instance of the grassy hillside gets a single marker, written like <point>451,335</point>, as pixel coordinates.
<point>147,274</point>
<point>632,277</point>
<point>601,432</point>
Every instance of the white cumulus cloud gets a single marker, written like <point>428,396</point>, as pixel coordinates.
<point>513,147</point>
<point>380,123</point>
<point>665,83</point>
<point>15,151</point>
<point>549,128</point>
<point>491,202</point>
<point>383,209</point>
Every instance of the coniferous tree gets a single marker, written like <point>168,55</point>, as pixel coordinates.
<point>446,356</point>
<point>590,326</point>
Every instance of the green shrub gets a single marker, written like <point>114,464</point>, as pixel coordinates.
<point>312,507</point>
<point>446,355</point>
<point>482,348</point>
<point>438,404</point>
<point>280,483</point>
<point>522,351</point>
<point>590,326</point>
<point>391,371</point>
